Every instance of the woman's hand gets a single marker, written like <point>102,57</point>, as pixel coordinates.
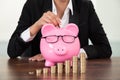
<point>47,18</point>
<point>37,57</point>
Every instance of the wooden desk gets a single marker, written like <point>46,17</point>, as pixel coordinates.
<point>22,69</point>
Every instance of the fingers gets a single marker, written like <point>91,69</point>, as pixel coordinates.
<point>49,17</point>
<point>37,57</point>
<point>53,18</point>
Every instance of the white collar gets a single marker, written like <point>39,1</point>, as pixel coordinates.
<point>69,6</point>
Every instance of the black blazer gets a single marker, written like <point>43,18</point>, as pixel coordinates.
<point>84,16</point>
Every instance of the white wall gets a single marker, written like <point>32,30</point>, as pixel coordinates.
<point>109,14</point>
<point>10,11</point>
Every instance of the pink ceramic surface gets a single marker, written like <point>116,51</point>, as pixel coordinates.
<point>59,44</point>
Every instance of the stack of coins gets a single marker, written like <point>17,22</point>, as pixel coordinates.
<point>45,70</point>
<point>83,62</point>
<point>53,69</point>
<point>67,66</point>
<point>60,67</point>
<point>38,71</point>
<point>75,64</point>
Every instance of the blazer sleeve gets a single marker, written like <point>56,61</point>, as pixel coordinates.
<point>101,47</point>
<point>16,45</point>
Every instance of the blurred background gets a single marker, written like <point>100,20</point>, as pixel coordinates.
<point>107,10</point>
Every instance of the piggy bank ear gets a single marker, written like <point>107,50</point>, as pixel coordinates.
<point>73,27</point>
<point>46,28</point>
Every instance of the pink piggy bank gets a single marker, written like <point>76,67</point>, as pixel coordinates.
<point>59,44</point>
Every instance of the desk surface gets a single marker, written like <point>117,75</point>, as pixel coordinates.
<point>22,69</point>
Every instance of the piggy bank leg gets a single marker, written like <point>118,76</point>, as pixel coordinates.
<point>49,63</point>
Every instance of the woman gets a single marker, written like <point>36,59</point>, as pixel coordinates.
<point>36,13</point>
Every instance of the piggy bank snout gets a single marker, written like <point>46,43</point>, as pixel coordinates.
<point>60,51</point>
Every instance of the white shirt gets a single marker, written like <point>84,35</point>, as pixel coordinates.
<point>64,21</point>
<point>65,18</point>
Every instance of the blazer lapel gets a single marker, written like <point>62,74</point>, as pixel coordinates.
<point>47,5</point>
<point>75,18</point>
